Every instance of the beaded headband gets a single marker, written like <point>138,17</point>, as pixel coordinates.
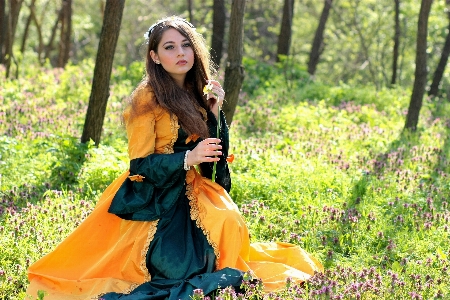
<point>150,30</point>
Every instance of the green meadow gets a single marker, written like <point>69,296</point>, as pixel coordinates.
<point>326,167</point>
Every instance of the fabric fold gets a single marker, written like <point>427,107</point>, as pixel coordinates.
<point>153,196</point>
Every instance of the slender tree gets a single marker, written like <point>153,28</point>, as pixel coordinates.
<point>102,72</point>
<point>189,2</point>
<point>13,18</point>
<point>439,72</point>
<point>396,43</point>
<point>39,33</point>
<point>49,46</point>
<point>66,29</point>
<point>234,71</point>
<point>27,26</point>
<point>218,31</point>
<point>284,38</point>
<point>3,29</point>
<point>420,75</point>
<point>317,46</point>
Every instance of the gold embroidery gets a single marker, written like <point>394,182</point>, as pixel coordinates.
<point>174,126</point>
<point>143,265</point>
<point>195,216</point>
<point>131,288</point>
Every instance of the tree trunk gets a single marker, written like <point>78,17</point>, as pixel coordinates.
<point>3,30</point>
<point>420,80</point>
<point>39,32</point>
<point>396,42</point>
<point>317,46</point>
<point>14,11</point>
<point>27,26</point>
<point>189,2</point>
<point>284,39</point>
<point>49,46</point>
<point>102,9</point>
<point>102,72</point>
<point>234,71</point>
<point>218,31</point>
<point>439,72</point>
<point>66,28</point>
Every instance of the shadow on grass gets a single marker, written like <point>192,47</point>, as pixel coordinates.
<point>441,169</point>
<point>390,161</point>
<point>405,148</point>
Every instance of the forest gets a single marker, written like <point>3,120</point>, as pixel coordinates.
<point>360,41</point>
<point>339,114</point>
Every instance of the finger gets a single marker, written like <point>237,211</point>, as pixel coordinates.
<point>211,158</point>
<point>218,90</point>
<point>212,141</point>
<point>212,153</point>
<point>220,94</point>
<point>212,95</point>
<point>215,83</point>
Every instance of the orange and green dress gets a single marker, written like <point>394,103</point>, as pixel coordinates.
<point>159,232</point>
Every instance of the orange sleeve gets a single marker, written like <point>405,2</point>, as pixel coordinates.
<point>141,126</point>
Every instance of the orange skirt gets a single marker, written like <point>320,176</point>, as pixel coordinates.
<point>108,254</point>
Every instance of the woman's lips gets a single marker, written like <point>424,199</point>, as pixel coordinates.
<point>181,62</point>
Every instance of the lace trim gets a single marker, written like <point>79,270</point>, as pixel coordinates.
<point>195,216</point>
<point>131,288</point>
<point>143,264</point>
<point>127,291</point>
<point>174,126</point>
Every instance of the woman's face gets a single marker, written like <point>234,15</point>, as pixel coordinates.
<point>175,53</point>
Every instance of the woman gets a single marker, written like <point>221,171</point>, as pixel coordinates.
<point>164,228</point>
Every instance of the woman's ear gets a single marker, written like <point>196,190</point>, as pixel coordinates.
<point>154,56</point>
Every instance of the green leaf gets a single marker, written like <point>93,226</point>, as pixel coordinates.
<point>441,254</point>
<point>396,267</point>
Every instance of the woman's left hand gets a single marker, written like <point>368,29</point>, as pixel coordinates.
<point>217,92</point>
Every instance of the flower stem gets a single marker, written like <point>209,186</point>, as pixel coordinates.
<point>213,177</point>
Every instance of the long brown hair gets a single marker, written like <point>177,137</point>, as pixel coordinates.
<point>187,104</point>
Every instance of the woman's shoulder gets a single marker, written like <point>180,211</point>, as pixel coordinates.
<point>142,101</point>
<point>143,95</point>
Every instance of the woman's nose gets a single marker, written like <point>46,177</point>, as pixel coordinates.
<point>181,51</point>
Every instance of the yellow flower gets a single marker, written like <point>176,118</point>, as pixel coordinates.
<point>208,89</point>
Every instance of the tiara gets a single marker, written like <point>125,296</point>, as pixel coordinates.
<point>150,30</point>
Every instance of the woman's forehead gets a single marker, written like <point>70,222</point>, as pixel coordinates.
<point>172,35</point>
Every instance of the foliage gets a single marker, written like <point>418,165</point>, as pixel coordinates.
<point>324,167</point>
<point>358,41</point>
<point>263,76</point>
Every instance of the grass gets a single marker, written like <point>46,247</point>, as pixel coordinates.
<point>327,168</point>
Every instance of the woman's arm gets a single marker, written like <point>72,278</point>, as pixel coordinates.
<point>156,180</point>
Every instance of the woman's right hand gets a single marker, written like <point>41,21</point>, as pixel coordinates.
<point>207,150</point>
